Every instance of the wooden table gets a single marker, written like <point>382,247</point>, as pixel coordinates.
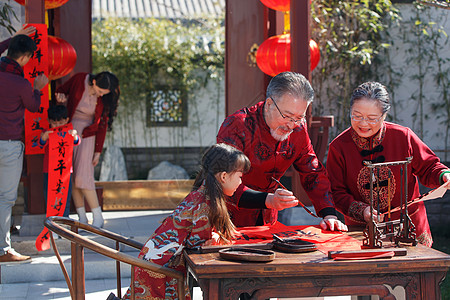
<point>314,275</point>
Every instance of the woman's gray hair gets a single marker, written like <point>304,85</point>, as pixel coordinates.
<point>291,83</point>
<point>372,91</point>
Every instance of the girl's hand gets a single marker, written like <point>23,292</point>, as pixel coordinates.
<point>27,31</point>
<point>215,240</point>
<point>61,98</point>
<point>281,199</point>
<point>45,134</point>
<point>96,158</point>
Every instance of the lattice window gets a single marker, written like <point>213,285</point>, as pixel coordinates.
<point>167,108</point>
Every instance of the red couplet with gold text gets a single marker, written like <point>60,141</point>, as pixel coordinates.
<point>60,147</point>
<point>38,64</point>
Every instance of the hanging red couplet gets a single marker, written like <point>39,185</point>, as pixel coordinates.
<point>60,147</point>
<point>38,64</point>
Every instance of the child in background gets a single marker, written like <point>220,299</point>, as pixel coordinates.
<point>200,219</point>
<point>57,116</point>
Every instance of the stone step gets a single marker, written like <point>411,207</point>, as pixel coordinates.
<point>137,225</point>
<point>45,267</point>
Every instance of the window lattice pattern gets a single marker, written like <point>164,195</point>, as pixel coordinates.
<point>167,108</point>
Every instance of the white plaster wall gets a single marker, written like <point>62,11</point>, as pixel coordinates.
<point>406,106</point>
<point>206,111</point>
<point>20,12</point>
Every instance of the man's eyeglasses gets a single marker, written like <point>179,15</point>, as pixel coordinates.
<point>297,122</point>
<point>370,120</point>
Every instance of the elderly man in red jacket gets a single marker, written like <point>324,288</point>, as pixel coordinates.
<point>273,135</point>
<point>16,95</point>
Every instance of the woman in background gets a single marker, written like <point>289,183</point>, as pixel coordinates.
<point>92,105</point>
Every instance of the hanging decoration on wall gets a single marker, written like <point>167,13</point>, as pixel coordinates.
<point>62,57</point>
<point>35,122</point>
<point>274,55</point>
<point>49,4</point>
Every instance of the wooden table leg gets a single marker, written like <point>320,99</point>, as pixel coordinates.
<point>430,285</point>
<point>210,289</point>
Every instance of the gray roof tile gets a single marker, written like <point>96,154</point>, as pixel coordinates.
<point>172,9</point>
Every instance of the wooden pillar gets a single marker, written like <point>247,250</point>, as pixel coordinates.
<point>300,63</point>
<point>35,11</point>
<point>300,36</point>
<point>35,203</point>
<point>245,25</point>
<point>73,22</point>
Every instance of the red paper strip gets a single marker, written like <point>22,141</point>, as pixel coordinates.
<point>360,256</point>
<point>324,240</point>
<point>38,64</point>
<point>60,147</point>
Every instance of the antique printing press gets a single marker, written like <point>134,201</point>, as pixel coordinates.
<point>400,230</point>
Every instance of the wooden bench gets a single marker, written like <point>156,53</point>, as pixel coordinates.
<point>143,194</point>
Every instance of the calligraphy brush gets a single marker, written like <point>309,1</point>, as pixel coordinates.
<point>299,202</point>
<point>416,200</point>
<point>281,240</point>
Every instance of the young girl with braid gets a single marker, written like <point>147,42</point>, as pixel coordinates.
<point>200,219</point>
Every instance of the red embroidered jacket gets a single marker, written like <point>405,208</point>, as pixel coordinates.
<point>247,130</point>
<point>350,178</point>
<point>74,89</point>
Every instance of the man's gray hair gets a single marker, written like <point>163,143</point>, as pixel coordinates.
<point>372,91</point>
<point>291,83</point>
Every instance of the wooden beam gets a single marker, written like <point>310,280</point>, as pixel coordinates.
<point>35,11</point>
<point>300,36</point>
<point>73,22</point>
<point>244,26</point>
<point>300,63</point>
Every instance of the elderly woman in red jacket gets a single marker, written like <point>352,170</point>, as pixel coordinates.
<point>92,104</point>
<point>371,138</point>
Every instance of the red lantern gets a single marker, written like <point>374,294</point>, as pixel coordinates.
<point>62,57</point>
<point>314,54</point>
<point>49,4</point>
<point>282,5</point>
<point>274,55</point>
